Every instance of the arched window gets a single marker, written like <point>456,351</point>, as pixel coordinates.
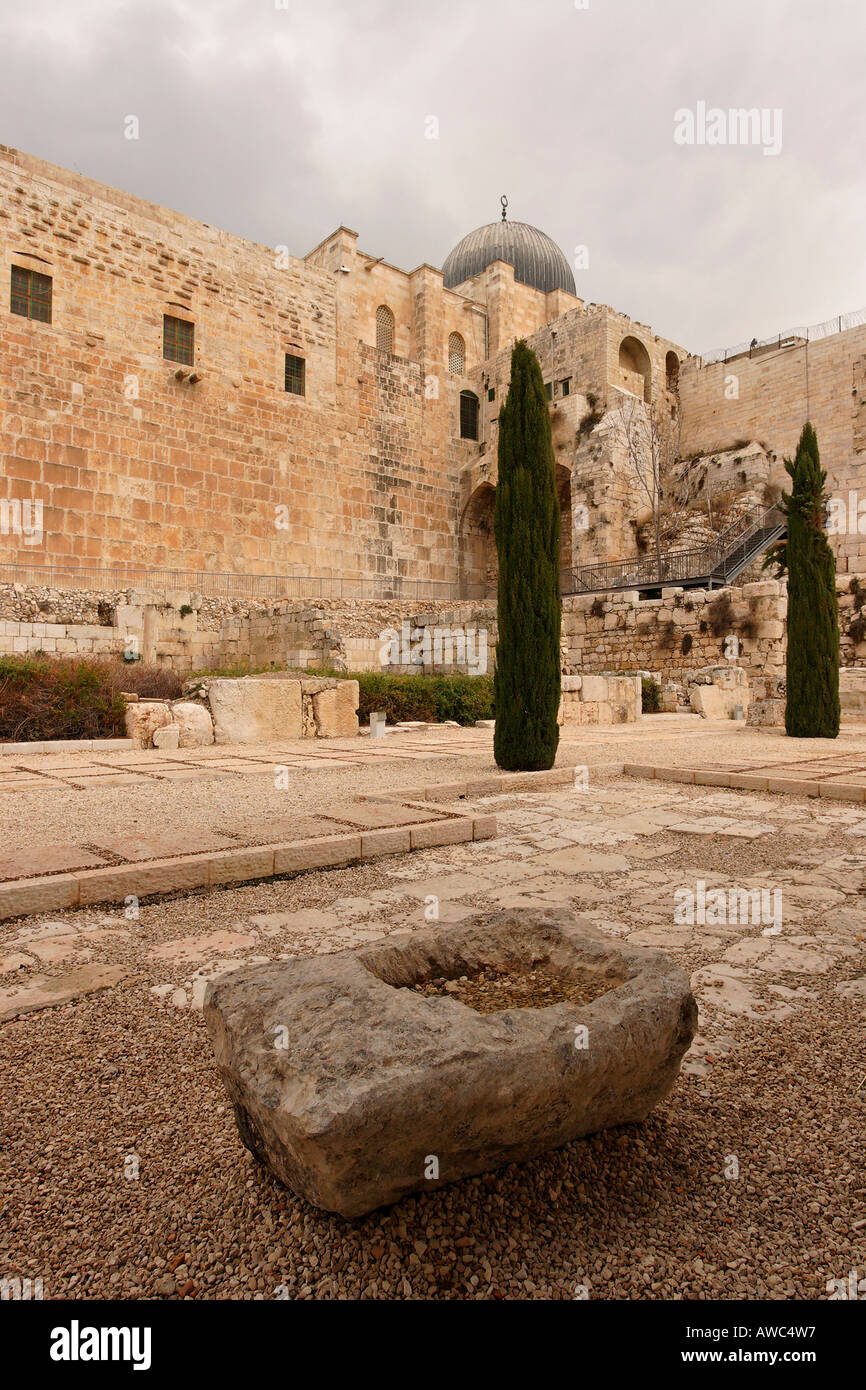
<point>468,415</point>
<point>384,329</point>
<point>672,371</point>
<point>456,354</point>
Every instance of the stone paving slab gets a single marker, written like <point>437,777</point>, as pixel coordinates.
<point>135,847</point>
<point>45,991</point>
<point>31,863</point>
<point>842,779</point>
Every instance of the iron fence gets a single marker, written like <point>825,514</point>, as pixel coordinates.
<point>226,584</point>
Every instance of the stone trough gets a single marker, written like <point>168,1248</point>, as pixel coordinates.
<point>362,1076</point>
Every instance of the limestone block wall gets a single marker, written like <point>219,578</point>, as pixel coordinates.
<point>134,467</point>
<point>769,397</point>
<point>686,630</point>
<point>606,698</point>
<point>188,631</point>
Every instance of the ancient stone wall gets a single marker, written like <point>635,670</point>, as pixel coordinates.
<point>768,398</point>
<point>687,630</point>
<point>133,465</point>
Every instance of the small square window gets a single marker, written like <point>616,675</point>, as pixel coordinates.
<point>491,393</point>
<point>296,375</point>
<point>178,340</point>
<point>31,294</point>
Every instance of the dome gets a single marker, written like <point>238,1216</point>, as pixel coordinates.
<point>537,260</point>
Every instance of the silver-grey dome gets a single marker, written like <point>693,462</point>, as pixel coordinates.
<point>537,260</point>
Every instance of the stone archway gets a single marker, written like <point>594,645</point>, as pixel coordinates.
<point>478,561</point>
<point>635,368</point>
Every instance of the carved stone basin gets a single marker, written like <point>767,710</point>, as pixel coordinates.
<point>429,1056</point>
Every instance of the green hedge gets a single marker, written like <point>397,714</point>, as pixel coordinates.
<point>431,698</point>
<point>42,697</point>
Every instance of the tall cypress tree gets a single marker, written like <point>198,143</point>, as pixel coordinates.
<point>526,527</point>
<point>812,709</point>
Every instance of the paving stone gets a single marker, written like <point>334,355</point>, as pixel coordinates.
<point>137,847</point>
<point>32,863</point>
<point>578,860</point>
<point>193,948</point>
<point>44,992</point>
<point>367,816</point>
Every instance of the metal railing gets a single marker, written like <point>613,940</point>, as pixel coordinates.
<point>225,584</point>
<point>745,536</point>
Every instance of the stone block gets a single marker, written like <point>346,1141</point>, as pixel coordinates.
<point>374,1076</point>
<point>335,711</point>
<point>376,842</point>
<point>144,718</point>
<point>237,865</point>
<point>168,736</point>
<point>48,894</point>
<point>442,832</point>
<point>194,723</point>
<point>255,710</point>
<point>325,853</point>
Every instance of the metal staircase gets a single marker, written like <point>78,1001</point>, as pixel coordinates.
<point>708,567</point>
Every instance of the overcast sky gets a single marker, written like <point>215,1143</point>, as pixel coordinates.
<point>280,119</point>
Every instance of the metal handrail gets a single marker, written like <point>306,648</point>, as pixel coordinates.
<point>641,571</point>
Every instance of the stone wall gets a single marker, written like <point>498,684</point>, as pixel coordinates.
<point>676,635</point>
<point>687,630</point>
<point>217,632</point>
<point>767,397</point>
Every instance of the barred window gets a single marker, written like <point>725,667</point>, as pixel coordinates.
<point>178,340</point>
<point>31,294</point>
<point>384,329</point>
<point>456,354</point>
<point>468,415</point>
<point>296,375</point>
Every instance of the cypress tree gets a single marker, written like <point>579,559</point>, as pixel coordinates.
<point>526,527</point>
<point>812,709</point>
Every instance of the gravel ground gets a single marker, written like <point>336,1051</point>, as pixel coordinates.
<point>638,1213</point>
<point>61,815</point>
<point>91,1089</point>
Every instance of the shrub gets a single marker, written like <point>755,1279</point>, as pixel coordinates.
<point>147,682</point>
<point>45,698</point>
<point>721,616</point>
<point>431,698</point>
<point>651,695</point>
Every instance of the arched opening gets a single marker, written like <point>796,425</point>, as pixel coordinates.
<point>563,493</point>
<point>635,368</point>
<point>384,329</point>
<point>672,372</point>
<point>456,354</point>
<point>468,415</point>
<point>478,561</point>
